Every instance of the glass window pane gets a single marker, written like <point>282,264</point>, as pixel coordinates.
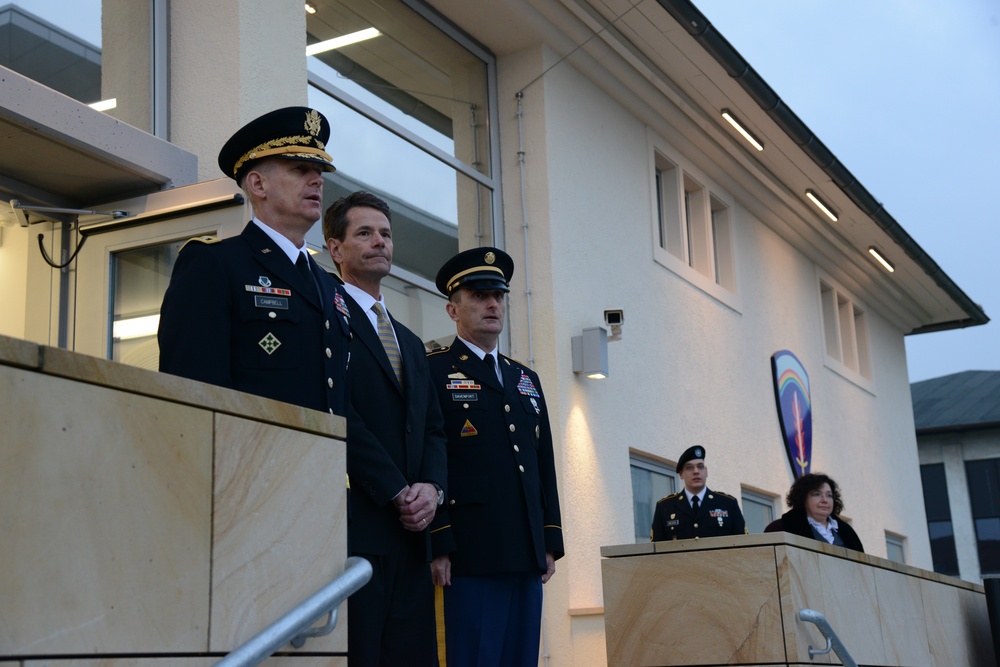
<point>139,278</point>
<point>988,536</point>
<point>409,71</point>
<point>758,511</point>
<point>943,547</point>
<point>651,481</point>
<point>894,549</point>
<point>935,488</point>
<point>984,487</point>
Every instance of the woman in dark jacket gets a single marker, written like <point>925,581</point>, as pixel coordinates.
<point>815,505</point>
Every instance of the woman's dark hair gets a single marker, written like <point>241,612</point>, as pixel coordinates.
<point>806,484</point>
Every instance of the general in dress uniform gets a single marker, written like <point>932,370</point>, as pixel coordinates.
<point>696,511</point>
<point>254,312</point>
<point>499,533</point>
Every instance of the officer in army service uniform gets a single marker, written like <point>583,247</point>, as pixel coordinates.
<point>697,511</point>
<point>498,535</point>
<point>254,312</point>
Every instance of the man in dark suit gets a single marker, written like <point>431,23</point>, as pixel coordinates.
<point>696,511</point>
<point>499,538</point>
<point>395,449</point>
<point>254,312</point>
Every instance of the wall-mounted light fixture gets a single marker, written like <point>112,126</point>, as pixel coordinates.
<point>731,119</point>
<point>342,41</point>
<point>874,252</point>
<point>590,353</point>
<point>821,205</point>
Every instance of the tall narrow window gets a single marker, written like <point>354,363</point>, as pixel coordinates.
<point>694,228</point>
<point>845,331</point>
<point>984,495</point>
<point>939,526</point>
<point>651,481</point>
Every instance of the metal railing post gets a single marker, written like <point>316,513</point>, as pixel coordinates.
<point>832,640</point>
<point>294,627</point>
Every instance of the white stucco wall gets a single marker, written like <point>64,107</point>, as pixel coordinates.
<point>689,369</point>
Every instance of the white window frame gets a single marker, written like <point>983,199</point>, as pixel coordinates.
<point>693,225</point>
<point>846,333</point>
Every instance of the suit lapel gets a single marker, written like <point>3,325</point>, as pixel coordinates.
<point>363,329</point>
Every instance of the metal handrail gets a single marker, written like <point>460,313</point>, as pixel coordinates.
<point>832,640</point>
<point>294,627</point>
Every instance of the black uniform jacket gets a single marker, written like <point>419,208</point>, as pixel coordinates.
<point>502,511</point>
<point>238,314</point>
<point>719,514</point>
<point>794,521</point>
<point>394,435</point>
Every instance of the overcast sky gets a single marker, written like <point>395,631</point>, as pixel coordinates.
<point>905,93</point>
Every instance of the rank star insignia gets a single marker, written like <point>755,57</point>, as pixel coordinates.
<point>270,343</point>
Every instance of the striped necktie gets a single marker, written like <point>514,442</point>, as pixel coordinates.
<point>389,341</point>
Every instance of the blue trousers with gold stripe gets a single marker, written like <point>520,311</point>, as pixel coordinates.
<point>493,621</point>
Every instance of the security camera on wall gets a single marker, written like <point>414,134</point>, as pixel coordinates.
<point>614,319</point>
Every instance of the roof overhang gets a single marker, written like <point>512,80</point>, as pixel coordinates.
<point>60,152</point>
<point>662,51</point>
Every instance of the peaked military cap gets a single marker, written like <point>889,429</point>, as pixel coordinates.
<point>478,269</point>
<point>292,133</point>
<point>690,454</point>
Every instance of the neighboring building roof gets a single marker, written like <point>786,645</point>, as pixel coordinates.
<point>958,402</point>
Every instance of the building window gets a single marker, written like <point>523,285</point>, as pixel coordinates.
<point>694,231</point>
<point>984,495</point>
<point>652,480</point>
<point>139,279</point>
<point>758,510</point>
<point>939,526</point>
<point>895,547</point>
<point>845,331</point>
<point>414,107</point>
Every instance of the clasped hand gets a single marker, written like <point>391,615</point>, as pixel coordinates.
<point>417,505</point>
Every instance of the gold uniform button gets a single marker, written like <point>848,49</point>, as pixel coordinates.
<point>511,428</point>
<point>272,314</point>
<point>465,405</point>
<point>506,408</point>
<point>521,468</point>
<point>516,448</point>
<point>329,354</point>
<point>695,525</point>
<point>329,382</point>
<point>452,502</point>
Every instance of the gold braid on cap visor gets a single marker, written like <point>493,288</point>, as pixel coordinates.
<point>454,279</point>
<point>281,147</point>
